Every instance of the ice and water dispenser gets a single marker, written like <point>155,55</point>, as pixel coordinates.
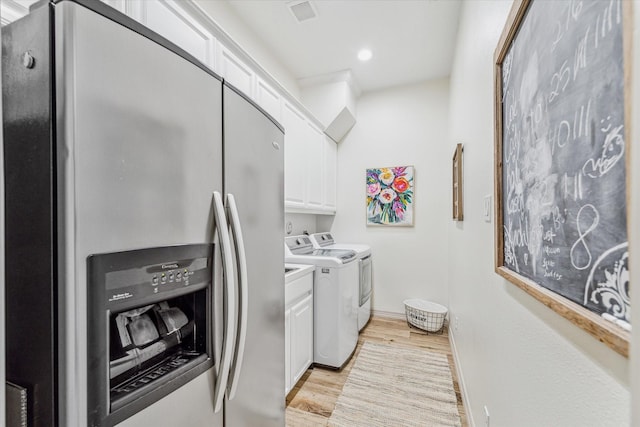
<point>149,326</point>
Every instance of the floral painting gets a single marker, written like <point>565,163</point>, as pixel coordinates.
<point>390,196</point>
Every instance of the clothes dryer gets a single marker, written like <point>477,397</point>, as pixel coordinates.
<point>363,252</point>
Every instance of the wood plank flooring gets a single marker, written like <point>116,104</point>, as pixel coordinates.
<point>312,400</point>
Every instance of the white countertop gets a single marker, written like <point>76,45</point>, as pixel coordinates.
<point>300,270</point>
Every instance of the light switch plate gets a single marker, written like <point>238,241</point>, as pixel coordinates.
<point>486,208</point>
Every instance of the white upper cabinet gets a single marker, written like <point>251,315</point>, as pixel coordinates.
<point>269,99</point>
<point>309,165</point>
<point>236,72</point>
<point>329,162</point>
<point>314,140</point>
<point>295,164</point>
<point>168,19</point>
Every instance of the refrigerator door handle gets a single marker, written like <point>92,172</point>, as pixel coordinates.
<point>229,302</point>
<point>236,230</point>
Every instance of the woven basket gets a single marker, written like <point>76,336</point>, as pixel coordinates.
<point>425,315</point>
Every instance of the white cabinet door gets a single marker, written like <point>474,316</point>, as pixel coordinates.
<point>295,157</point>
<point>301,338</point>
<point>298,326</point>
<point>287,352</point>
<point>168,19</point>
<point>315,145</point>
<point>236,72</point>
<point>330,170</point>
<point>269,99</point>
<point>310,165</point>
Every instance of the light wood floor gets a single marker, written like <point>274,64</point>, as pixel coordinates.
<point>312,400</point>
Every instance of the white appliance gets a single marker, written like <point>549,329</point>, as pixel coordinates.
<point>335,306</point>
<point>363,252</point>
<point>132,235</point>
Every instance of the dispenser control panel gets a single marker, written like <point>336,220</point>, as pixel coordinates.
<point>134,277</point>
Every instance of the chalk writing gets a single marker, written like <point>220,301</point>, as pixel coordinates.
<point>551,251</point>
<point>563,151</point>
<point>573,186</point>
<point>611,288</point>
<point>612,151</point>
<point>580,249</point>
<point>549,235</point>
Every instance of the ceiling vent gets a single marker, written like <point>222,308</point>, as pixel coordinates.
<point>302,10</point>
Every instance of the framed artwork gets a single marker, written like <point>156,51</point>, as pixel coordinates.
<point>457,184</point>
<point>390,196</point>
<point>562,126</point>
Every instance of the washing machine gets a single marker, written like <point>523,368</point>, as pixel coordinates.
<point>363,252</point>
<point>335,306</point>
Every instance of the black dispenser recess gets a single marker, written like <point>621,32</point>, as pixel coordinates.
<point>149,327</point>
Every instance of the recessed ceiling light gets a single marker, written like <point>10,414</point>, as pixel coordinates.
<point>364,55</point>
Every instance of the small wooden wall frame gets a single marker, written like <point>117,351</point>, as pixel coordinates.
<point>458,201</point>
<point>594,29</point>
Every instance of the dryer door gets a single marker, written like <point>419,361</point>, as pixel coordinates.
<point>365,279</point>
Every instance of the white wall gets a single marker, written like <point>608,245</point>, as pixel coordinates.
<point>406,125</point>
<point>528,365</point>
<point>299,223</point>
<point>228,20</point>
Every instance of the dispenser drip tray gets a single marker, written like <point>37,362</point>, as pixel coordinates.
<point>164,371</point>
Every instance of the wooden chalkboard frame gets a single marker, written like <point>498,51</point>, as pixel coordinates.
<point>458,202</point>
<point>606,332</point>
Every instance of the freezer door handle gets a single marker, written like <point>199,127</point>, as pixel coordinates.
<point>229,303</point>
<point>241,258</point>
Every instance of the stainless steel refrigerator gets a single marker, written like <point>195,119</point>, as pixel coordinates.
<point>144,230</point>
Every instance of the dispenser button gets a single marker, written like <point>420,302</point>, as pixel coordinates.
<point>163,278</point>
<point>154,280</point>
<point>171,277</point>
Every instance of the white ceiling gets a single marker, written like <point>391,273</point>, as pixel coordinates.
<point>411,40</point>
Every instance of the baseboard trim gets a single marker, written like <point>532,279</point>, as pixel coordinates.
<point>463,388</point>
<point>388,314</point>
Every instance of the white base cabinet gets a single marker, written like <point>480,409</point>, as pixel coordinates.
<point>301,340</point>
<point>298,320</point>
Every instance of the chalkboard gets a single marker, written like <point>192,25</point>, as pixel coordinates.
<point>561,148</point>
